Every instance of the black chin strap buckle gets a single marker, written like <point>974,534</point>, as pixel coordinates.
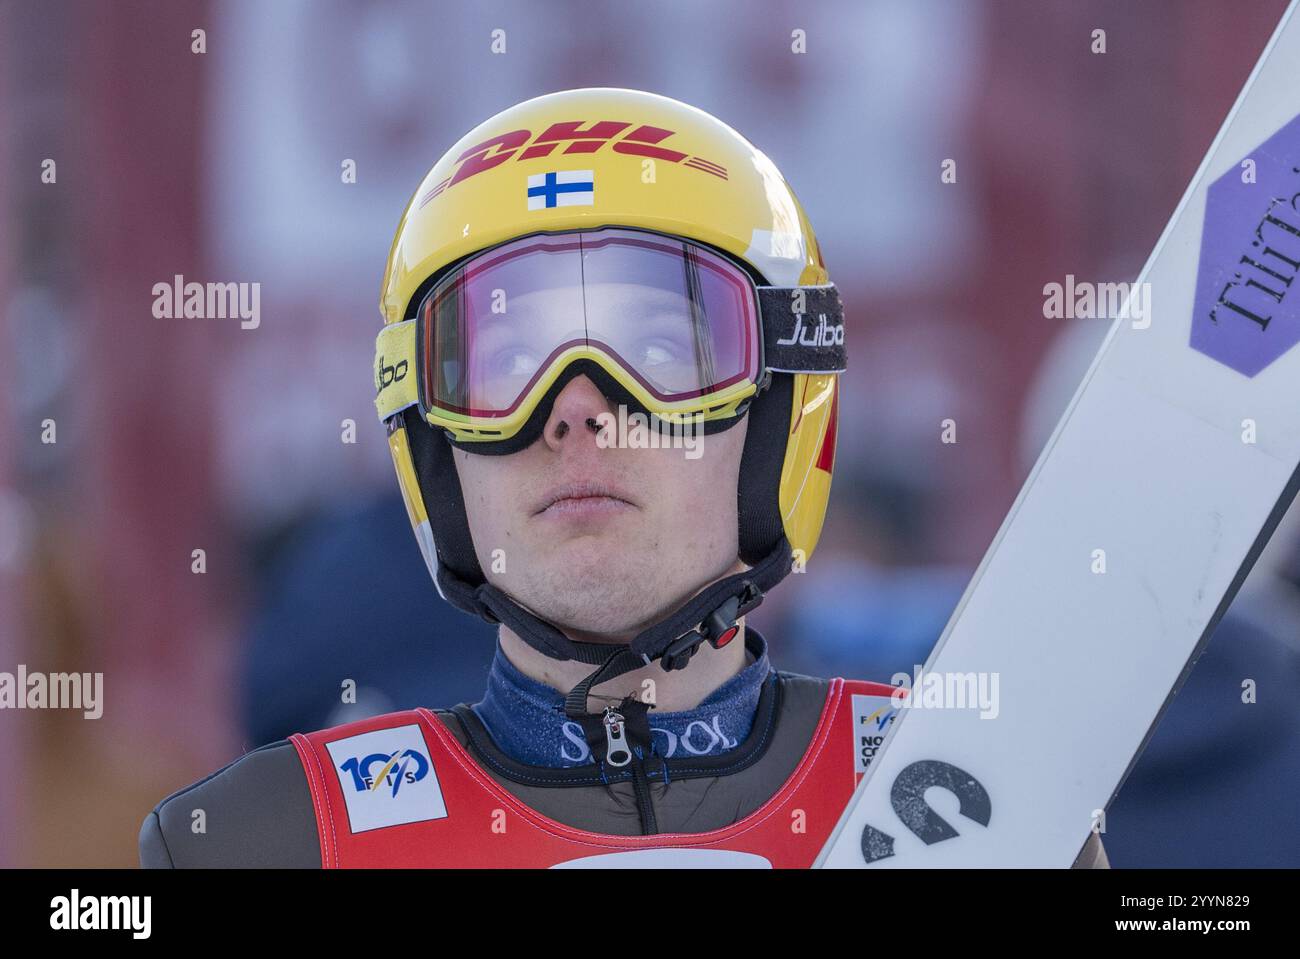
<point>719,628</point>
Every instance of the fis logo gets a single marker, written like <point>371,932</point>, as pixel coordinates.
<point>387,778</point>
<point>397,767</point>
<point>880,718</point>
<point>872,716</point>
<point>571,136</point>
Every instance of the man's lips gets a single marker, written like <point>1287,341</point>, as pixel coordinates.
<point>580,499</point>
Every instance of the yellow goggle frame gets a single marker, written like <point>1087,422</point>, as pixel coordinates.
<point>397,387</point>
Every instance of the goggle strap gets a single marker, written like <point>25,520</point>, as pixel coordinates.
<point>803,329</point>
<point>396,380</point>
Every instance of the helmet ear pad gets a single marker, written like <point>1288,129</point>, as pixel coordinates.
<point>444,503</point>
<point>758,491</point>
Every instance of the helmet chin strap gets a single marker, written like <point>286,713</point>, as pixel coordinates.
<point>709,616</point>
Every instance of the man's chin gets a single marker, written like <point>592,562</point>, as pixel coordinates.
<point>590,550</point>
<point>591,619</point>
<point>596,593</point>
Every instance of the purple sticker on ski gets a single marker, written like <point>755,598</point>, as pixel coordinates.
<point>1247,308</point>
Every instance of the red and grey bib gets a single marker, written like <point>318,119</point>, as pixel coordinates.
<point>400,790</point>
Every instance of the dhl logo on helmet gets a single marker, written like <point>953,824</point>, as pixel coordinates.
<point>522,145</point>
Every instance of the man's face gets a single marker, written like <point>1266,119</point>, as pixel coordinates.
<point>602,541</point>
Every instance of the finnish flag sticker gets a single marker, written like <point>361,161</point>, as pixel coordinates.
<point>562,188</point>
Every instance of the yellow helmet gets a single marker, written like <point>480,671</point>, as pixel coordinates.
<point>634,161</point>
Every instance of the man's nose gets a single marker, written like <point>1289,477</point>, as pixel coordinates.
<point>576,408</point>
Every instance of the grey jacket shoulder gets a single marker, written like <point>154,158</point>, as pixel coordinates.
<point>255,812</point>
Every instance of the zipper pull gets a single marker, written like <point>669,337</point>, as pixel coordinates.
<point>617,751</point>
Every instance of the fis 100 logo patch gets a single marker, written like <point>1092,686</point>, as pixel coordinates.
<point>403,765</point>
<point>387,778</point>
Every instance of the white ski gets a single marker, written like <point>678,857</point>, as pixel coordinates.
<point>1160,485</point>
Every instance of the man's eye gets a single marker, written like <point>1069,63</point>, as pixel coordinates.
<point>659,352</point>
<point>514,363</point>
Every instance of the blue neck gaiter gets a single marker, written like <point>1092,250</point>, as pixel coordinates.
<point>527,722</point>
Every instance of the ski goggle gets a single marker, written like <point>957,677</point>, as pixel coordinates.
<point>674,324</point>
